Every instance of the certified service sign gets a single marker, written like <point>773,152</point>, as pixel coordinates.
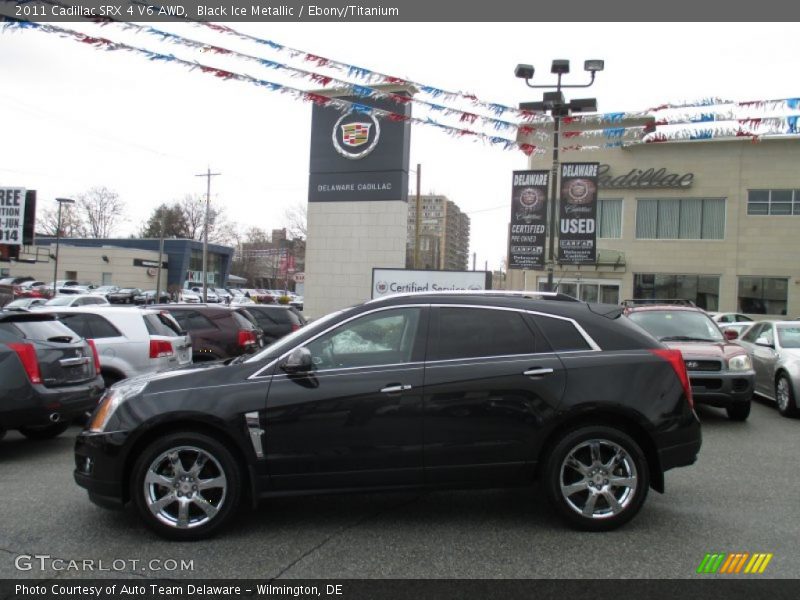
<point>355,135</point>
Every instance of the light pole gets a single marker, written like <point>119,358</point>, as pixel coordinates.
<point>558,107</point>
<point>58,240</point>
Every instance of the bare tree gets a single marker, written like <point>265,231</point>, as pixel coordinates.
<point>296,217</point>
<point>101,211</point>
<point>71,223</point>
<point>220,230</point>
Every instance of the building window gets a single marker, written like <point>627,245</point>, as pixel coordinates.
<point>609,218</point>
<point>773,202</point>
<point>680,218</point>
<point>763,295</point>
<point>703,290</point>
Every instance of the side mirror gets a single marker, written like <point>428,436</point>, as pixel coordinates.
<point>730,334</point>
<point>299,361</point>
<point>762,341</point>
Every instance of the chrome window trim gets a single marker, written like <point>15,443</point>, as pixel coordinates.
<point>399,367</point>
<point>593,346</point>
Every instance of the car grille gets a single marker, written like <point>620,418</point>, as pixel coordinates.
<point>703,365</point>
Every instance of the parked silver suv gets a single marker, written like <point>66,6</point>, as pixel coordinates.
<point>129,341</point>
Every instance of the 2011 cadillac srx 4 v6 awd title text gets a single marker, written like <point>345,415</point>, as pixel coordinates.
<point>434,390</point>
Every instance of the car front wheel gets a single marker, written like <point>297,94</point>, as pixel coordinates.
<point>597,478</point>
<point>784,395</point>
<point>186,486</point>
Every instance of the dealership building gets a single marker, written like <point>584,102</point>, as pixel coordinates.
<point>712,221</point>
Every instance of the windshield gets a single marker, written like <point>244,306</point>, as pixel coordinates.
<point>62,301</point>
<point>283,344</point>
<point>789,336</point>
<point>678,325</point>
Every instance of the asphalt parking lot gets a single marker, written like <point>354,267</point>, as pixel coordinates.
<point>741,496</point>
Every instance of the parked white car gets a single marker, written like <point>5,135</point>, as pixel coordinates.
<point>129,341</point>
<point>189,297</point>
<point>211,295</point>
<point>77,300</point>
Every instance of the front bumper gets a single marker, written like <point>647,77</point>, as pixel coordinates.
<point>99,466</point>
<point>722,388</point>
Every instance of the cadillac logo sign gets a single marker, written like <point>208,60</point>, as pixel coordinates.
<point>355,135</point>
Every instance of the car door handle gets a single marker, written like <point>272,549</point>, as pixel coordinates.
<point>393,389</point>
<point>537,371</point>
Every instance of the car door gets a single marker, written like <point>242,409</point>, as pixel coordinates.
<point>355,419</point>
<point>763,356</point>
<point>489,382</point>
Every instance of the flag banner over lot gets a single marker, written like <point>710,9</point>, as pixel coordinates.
<point>577,231</point>
<point>12,215</point>
<point>526,235</point>
<point>401,589</point>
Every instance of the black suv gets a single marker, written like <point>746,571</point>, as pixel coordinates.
<point>48,375</point>
<point>410,391</point>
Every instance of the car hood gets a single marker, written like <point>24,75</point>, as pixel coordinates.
<point>193,375</point>
<point>707,350</point>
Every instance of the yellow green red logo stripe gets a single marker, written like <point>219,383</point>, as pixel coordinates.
<point>734,563</point>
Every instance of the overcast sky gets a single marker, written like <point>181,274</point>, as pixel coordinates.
<point>76,117</point>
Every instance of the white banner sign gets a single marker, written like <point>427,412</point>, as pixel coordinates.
<point>386,282</point>
<point>12,215</point>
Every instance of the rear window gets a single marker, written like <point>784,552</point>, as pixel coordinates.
<point>161,324</point>
<point>38,330</point>
<point>243,322</point>
<point>273,317</point>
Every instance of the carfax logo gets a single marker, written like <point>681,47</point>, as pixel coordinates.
<point>735,563</point>
<point>355,135</point>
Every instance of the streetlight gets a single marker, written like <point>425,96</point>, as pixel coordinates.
<point>58,239</point>
<point>558,107</point>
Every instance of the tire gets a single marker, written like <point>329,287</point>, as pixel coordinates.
<point>154,481</point>
<point>574,475</point>
<point>784,396</point>
<point>2,434</point>
<point>739,411</point>
<point>44,432</point>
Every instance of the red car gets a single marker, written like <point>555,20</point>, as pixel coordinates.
<point>720,371</point>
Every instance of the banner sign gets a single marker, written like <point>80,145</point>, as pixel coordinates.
<point>12,215</point>
<point>386,282</point>
<point>577,240</point>
<point>526,236</point>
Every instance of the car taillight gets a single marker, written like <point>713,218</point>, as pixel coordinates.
<point>247,337</point>
<point>675,358</point>
<point>295,326</point>
<point>160,348</point>
<point>95,356</point>
<point>27,356</point>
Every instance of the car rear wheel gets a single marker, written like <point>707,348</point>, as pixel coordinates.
<point>784,395</point>
<point>597,478</point>
<point>186,486</point>
<point>44,432</point>
<point>739,411</point>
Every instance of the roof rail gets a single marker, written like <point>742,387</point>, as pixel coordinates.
<point>652,301</point>
<point>532,294</point>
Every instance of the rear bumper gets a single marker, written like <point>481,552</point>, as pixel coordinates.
<point>683,446</point>
<point>37,404</point>
<point>722,389</point>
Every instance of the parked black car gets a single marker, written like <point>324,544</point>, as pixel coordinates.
<point>409,391</point>
<point>48,375</point>
<point>149,297</point>
<point>218,332</point>
<point>123,296</point>
<point>276,320</point>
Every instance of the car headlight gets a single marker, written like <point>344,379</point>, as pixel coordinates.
<point>740,363</point>
<point>112,399</point>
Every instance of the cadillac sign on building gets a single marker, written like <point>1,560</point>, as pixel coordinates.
<point>355,156</point>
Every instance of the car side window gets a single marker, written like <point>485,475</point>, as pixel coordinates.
<point>562,334</point>
<point>752,335</point>
<point>768,334</point>
<point>101,328</point>
<point>481,332</point>
<point>382,338</point>
<point>79,323</point>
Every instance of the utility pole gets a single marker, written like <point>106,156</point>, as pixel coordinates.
<point>474,258</point>
<point>157,299</point>
<point>208,175</point>
<point>418,219</point>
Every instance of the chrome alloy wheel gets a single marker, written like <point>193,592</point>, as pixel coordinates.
<point>782,394</point>
<point>598,479</point>
<point>185,487</point>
